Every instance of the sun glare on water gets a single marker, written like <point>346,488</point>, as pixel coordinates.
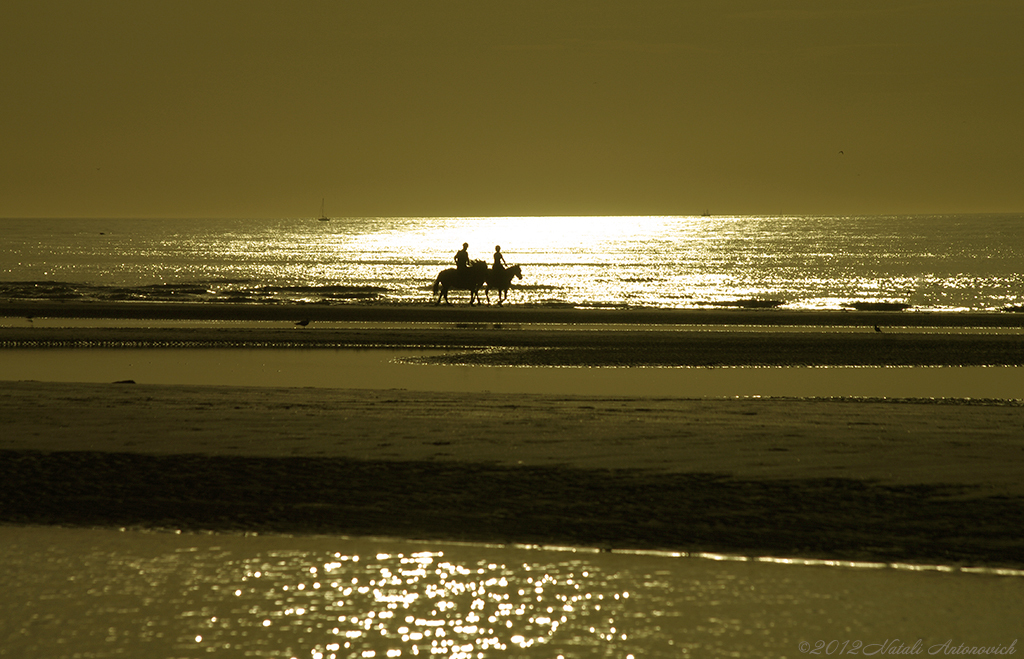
<point>583,236</point>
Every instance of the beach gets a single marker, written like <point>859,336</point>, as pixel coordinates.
<point>920,481</point>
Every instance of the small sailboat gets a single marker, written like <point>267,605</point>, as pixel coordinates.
<point>323,218</point>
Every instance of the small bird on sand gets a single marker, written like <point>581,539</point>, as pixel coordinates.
<point>302,323</point>
<point>877,328</point>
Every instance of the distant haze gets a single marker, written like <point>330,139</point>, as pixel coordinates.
<point>407,107</point>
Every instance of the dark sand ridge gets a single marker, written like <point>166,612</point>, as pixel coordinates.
<point>519,346</point>
<point>874,480</point>
<point>536,348</point>
<point>425,313</point>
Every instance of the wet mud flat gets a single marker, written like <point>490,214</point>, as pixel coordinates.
<point>621,509</point>
<point>932,483</point>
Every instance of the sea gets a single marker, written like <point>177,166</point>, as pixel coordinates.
<point>73,593</point>
<point>919,262</point>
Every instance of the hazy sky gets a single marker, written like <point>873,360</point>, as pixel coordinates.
<point>418,107</point>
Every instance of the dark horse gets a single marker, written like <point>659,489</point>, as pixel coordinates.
<point>471,279</point>
<point>501,281</point>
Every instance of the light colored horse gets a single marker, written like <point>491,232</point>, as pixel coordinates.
<point>471,279</point>
<point>501,281</point>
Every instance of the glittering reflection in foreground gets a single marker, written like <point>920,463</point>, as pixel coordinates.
<point>99,593</point>
<point>392,604</point>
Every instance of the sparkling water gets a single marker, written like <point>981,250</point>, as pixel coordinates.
<point>103,593</point>
<point>940,262</point>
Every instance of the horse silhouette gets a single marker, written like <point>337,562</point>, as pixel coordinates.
<point>470,279</point>
<point>501,281</point>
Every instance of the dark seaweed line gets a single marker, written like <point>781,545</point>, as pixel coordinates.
<point>203,344</point>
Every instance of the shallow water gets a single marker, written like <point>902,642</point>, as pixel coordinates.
<point>106,593</point>
<point>383,369</point>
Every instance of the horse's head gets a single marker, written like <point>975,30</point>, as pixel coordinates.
<point>516,271</point>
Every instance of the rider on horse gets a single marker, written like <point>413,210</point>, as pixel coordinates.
<point>462,258</point>
<point>474,275</point>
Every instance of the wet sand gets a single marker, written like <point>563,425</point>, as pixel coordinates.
<point>910,481</point>
<point>919,481</point>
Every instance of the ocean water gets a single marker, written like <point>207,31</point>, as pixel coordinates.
<point>944,262</point>
<point>107,593</point>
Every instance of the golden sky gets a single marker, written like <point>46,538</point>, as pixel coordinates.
<point>261,108</point>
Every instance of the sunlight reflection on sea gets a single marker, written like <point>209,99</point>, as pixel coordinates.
<point>104,593</point>
<point>948,262</point>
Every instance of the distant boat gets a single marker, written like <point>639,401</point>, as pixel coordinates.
<point>706,213</point>
<point>323,218</point>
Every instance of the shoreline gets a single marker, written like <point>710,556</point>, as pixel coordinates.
<point>429,313</point>
<point>514,336</point>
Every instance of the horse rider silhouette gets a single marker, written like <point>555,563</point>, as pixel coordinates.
<point>462,258</point>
